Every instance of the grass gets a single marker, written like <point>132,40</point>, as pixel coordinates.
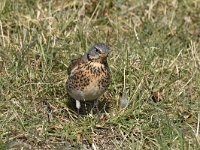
<point>155,42</point>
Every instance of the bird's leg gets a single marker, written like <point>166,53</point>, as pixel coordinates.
<point>96,105</point>
<point>78,106</point>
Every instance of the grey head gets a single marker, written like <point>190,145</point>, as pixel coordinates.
<point>99,52</point>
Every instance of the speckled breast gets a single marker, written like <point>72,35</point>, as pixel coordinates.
<point>88,81</point>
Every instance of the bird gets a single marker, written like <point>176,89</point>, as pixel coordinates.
<point>89,76</point>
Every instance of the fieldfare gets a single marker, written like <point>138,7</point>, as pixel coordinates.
<point>89,76</point>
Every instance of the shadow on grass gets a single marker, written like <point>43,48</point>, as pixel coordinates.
<point>88,107</point>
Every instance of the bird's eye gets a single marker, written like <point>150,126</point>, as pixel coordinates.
<point>98,51</point>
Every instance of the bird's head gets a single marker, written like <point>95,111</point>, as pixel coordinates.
<point>98,53</point>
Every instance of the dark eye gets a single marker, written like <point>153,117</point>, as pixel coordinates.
<point>97,50</point>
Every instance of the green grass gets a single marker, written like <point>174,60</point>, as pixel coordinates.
<point>156,42</point>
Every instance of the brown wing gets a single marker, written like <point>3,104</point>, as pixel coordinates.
<point>73,64</point>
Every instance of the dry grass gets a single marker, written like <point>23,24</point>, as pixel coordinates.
<point>155,42</point>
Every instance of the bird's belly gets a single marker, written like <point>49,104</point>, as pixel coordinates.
<point>89,93</point>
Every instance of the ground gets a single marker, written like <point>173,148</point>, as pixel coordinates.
<point>155,60</point>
